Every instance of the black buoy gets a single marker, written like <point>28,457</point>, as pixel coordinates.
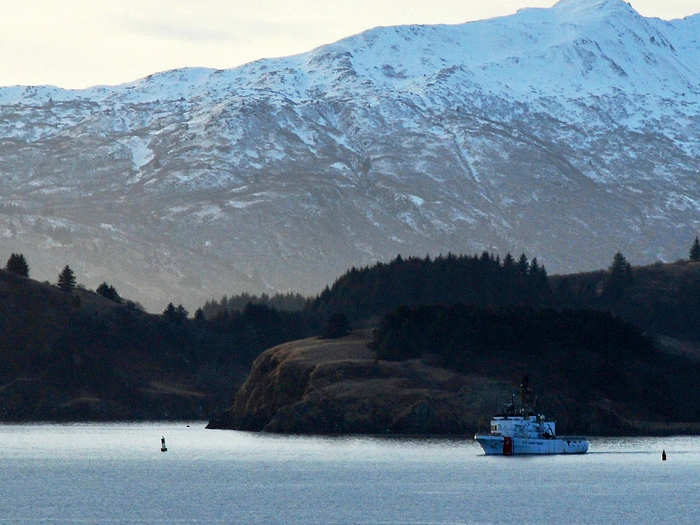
<point>163,448</point>
<point>663,455</point>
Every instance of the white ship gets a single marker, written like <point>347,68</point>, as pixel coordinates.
<point>523,431</point>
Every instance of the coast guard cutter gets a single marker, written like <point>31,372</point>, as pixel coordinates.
<point>522,431</point>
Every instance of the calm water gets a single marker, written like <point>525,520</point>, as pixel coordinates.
<point>115,473</point>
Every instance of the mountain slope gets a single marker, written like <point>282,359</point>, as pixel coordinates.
<point>560,131</point>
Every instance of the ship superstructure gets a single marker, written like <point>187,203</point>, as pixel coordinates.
<point>520,430</point>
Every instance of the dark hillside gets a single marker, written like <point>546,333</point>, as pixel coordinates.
<point>660,298</point>
<point>77,355</point>
<point>582,355</point>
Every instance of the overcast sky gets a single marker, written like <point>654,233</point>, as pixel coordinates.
<point>78,43</point>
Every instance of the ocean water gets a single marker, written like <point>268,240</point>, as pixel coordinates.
<point>115,473</point>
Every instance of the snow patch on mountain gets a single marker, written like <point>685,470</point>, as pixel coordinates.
<point>141,154</point>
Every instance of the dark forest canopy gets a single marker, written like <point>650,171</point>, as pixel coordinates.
<point>483,280</point>
<point>461,334</point>
<point>589,354</point>
<point>660,298</point>
<point>287,302</point>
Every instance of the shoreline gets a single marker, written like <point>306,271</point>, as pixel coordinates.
<point>693,430</point>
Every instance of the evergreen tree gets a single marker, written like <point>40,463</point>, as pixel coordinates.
<point>199,315</point>
<point>523,265</point>
<point>508,264</point>
<point>507,279</point>
<point>176,315</point>
<point>18,265</point>
<point>695,251</point>
<point>181,313</point>
<point>538,275</point>
<point>169,314</point>
<point>108,291</point>
<point>66,279</point>
<point>620,277</point>
<point>621,269</point>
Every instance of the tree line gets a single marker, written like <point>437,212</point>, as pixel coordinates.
<point>485,279</point>
<point>66,281</point>
<point>288,302</point>
<point>372,290</point>
<point>588,354</point>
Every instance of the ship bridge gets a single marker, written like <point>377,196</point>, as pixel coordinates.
<point>523,426</point>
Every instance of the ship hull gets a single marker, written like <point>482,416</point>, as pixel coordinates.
<point>506,446</point>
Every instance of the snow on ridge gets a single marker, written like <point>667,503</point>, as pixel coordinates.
<point>562,60</point>
<point>503,54</point>
<point>586,6</point>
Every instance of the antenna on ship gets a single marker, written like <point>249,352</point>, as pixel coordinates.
<point>509,408</point>
<point>525,396</point>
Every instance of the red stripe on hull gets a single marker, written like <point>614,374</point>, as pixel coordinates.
<point>507,446</point>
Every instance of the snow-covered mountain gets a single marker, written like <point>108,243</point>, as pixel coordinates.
<point>569,133</point>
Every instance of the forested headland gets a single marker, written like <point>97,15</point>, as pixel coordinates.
<point>613,351</point>
<point>72,353</point>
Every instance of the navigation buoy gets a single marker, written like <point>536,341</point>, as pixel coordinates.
<point>163,448</point>
<point>663,455</point>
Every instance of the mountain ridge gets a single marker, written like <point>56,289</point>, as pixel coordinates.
<point>564,13</point>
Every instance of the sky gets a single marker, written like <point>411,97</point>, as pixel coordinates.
<point>80,43</point>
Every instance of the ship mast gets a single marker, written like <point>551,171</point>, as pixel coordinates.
<point>526,402</point>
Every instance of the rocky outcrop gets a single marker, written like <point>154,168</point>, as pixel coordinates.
<point>322,386</point>
<point>337,386</point>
